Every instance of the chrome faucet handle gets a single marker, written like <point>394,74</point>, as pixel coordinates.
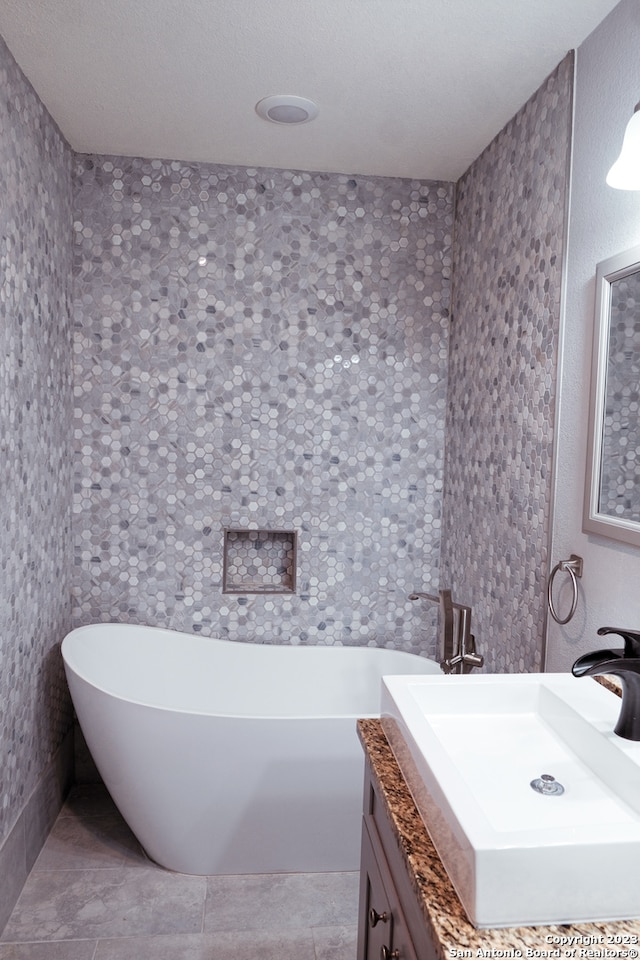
<point>473,660</point>
<point>466,659</point>
<point>448,665</point>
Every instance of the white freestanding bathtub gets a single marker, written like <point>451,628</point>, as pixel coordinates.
<point>227,757</point>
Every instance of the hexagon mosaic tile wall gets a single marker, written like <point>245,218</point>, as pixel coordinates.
<point>266,349</point>
<point>35,438</point>
<point>510,212</point>
<point>620,481</point>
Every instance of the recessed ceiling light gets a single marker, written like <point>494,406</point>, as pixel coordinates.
<point>286,109</point>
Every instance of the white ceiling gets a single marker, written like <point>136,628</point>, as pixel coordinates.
<point>411,88</point>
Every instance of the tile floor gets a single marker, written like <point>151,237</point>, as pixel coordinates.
<point>92,895</point>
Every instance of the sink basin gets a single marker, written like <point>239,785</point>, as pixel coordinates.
<point>469,748</point>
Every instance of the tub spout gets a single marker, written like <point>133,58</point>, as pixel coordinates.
<point>625,664</point>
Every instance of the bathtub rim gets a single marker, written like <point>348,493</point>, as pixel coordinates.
<point>81,674</point>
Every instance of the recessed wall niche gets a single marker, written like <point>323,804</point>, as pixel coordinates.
<point>259,561</point>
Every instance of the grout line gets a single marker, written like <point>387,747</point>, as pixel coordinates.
<point>22,943</point>
<point>119,866</point>
<point>204,904</point>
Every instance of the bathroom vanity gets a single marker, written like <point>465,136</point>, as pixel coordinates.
<point>408,907</point>
<point>391,923</point>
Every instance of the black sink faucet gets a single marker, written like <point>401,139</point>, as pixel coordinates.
<point>624,664</point>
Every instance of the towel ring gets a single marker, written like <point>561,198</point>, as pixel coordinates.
<point>572,566</point>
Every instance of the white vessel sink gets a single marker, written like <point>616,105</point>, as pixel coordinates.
<point>469,748</point>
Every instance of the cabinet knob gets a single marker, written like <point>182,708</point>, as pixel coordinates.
<point>386,954</point>
<point>375,917</point>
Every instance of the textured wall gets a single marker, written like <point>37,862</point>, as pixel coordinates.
<point>35,436</point>
<point>259,348</point>
<point>603,222</point>
<point>508,252</point>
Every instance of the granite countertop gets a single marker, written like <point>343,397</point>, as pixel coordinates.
<point>451,931</point>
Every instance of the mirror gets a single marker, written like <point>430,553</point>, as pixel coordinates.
<point>612,493</point>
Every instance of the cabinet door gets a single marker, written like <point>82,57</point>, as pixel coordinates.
<point>375,921</point>
<point>401,947</point>
<point>410,938</point>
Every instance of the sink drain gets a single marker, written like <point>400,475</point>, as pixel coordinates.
<point>547,785</point>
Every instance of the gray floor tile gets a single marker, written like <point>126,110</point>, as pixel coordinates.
<point>92,895</point>
<point>89,800</point>
<point>290,944</point>
<point>278,901</point>
<point>336,943</point>
<point>119,902</point>
<point>85,843</point>
<point>67,950</point>
<point>13,870</point>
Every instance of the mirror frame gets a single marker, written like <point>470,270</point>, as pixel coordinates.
<point>615,528</point>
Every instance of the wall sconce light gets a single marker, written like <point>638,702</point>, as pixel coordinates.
<point>625,173</point>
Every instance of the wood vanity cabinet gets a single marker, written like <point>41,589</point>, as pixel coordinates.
<point>391,925</point>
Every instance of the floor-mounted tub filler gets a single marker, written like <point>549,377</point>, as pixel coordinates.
<point>227,757</point>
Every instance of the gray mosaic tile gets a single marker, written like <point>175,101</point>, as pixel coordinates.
<point>502,377</point>
<point>35,433</point>
<point>259,349</point>
<point>259,561</point>
<point>620,478</point>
